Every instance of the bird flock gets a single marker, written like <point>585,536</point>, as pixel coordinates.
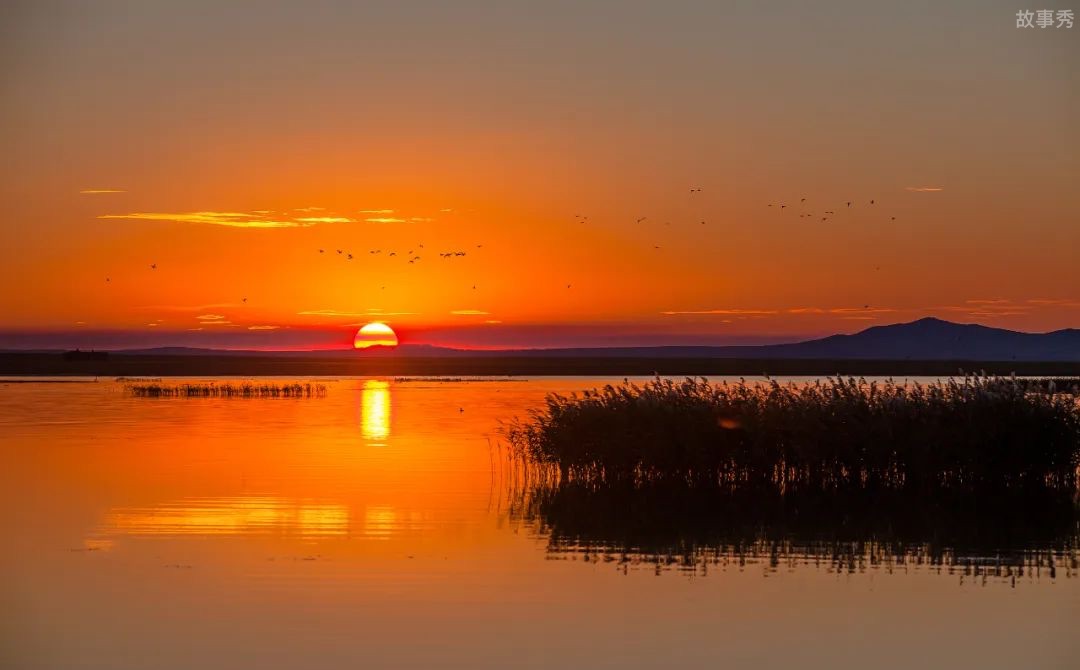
<point>828,212</point>
<point>413,256</point>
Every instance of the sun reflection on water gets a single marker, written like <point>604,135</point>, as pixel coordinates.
<point>375,411</point>
<point>231,516</point>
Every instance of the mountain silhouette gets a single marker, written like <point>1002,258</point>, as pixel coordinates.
<point>927,339</point>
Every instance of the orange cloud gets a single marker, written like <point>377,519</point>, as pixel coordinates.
<point>232,219</point>
<point>738,312</point>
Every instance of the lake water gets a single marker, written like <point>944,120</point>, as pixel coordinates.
<point>379,526</point>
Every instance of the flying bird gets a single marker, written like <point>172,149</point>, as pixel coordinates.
<point>153,266</point>
<point>349,257</point>
<point>243,300</point>
<point>322,251</point>
<point>849,203</point>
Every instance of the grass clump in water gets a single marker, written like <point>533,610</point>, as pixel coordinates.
<point>240,390</point>
<point>966,433</point>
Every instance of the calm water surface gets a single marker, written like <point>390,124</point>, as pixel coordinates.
<point>377,527</point>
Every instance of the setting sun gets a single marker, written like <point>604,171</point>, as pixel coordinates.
<point>375,334</point>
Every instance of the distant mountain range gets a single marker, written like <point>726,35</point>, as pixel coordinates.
<point>926,339</point>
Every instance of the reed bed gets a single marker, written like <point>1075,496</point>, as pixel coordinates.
<point>974,432</point>
<point>240,390</point>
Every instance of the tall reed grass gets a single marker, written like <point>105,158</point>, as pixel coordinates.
<point>973,432</point>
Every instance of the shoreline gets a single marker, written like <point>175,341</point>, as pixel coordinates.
<point>118,365</point>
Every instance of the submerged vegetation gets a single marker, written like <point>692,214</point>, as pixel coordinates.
<point>240,390</point>
<point>968,433</point>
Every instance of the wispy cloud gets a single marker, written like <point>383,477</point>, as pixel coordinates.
<point>265,218</point>
<point>989,308</point>
<point>866,312</point>
<point>924,189</point>
<point>860,310</point>
<point>189,308</point>
<point>996,307</point>
<point>263,327</point>
<point>1054,302</point>
<point>231,219</point>
<point>325,219</point>
<point>101,191</point>
<point>727,312</point>
<point>492,321</point>
<point>210,317</point>
<point>469,312</point>
<point>331,312</point>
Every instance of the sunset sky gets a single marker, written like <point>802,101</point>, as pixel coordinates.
<point>559,145</point>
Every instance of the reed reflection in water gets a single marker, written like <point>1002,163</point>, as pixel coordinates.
<point>668,525</point>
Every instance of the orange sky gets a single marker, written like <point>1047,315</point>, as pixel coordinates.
<point>503,127</point>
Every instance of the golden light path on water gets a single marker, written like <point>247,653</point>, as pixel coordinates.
<point>230,516</point>
<point>371,528</point>
<point>375,410</point>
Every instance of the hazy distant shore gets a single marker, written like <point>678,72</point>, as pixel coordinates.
<point>53,364</point>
